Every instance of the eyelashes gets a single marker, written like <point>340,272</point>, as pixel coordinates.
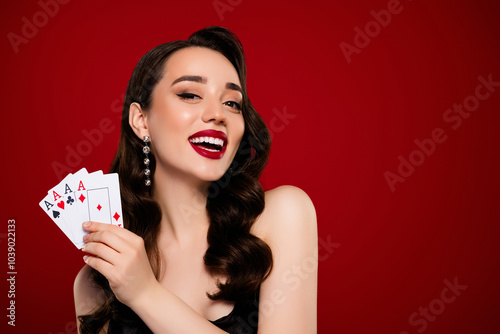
<point>190,96</point>
<point>234,105</point>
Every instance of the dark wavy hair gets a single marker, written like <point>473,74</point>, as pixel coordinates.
<point>234,201</point>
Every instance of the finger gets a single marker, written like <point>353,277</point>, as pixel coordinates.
<point>107,237</point>
<point>96,226</point>
<point>119,231</point>
<point>102,251</point>
<point>100,265</point>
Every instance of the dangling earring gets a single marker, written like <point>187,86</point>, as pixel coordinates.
<point>147,171</point>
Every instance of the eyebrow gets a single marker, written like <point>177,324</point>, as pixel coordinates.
<point>234,86</point>
<point>203,80</point>
<point>195,78</point>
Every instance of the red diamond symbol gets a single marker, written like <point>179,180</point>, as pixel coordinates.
<point>81,198</point>
<point>99,207</point>
<point>116,216</point>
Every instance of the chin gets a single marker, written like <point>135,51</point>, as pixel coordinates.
<point>211,176</point>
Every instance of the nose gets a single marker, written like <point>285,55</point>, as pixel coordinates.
<point>214,112</point>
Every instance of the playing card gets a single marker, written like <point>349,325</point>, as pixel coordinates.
<point>99,199</point>
<point>54,212</point>
<point>75,219</point>
<point>82,197</point>
<point>54,205</point>
<point>63,201</point>
<point>67,191</point>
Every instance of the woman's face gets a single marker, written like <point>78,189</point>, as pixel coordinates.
<point>195,120</point>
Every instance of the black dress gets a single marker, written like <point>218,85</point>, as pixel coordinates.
<point>243,319</point>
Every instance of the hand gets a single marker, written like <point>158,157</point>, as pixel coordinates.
<point>121,257</point>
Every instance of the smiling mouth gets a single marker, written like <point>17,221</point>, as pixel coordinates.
<point>210,144</point>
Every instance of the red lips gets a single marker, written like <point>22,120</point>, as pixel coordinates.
<point>209,143</point>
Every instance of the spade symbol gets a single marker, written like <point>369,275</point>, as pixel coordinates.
<point>55,214</point>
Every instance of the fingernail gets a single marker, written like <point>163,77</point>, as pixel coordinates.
<point>86,224</point>
<point>83,248</point>
<point>85,258</point>
<point>86,237</point>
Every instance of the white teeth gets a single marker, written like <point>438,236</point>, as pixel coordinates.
<point>209,140</point>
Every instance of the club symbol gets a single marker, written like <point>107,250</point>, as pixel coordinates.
<point>70,200</point>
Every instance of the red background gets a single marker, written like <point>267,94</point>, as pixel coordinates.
<point>392,249</point>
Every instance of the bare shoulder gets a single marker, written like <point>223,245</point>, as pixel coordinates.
<point>88,296</point>
<point>287,209</point>
<point>287,197</point>
<point>288,225</point>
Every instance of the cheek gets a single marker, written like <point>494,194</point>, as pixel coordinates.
<point>238,130</point>
<point>170,119</point>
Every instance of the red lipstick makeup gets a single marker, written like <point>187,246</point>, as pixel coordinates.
<point>210,144</point>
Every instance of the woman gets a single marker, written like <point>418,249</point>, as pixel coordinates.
<point>204,250</point>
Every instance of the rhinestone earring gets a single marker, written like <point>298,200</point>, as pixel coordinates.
<point>147,171</point>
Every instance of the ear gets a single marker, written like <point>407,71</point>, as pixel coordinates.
<point>137,120</point>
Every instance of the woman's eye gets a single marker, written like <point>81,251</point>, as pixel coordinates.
<point>188,96</point>
<point>232,104</point>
